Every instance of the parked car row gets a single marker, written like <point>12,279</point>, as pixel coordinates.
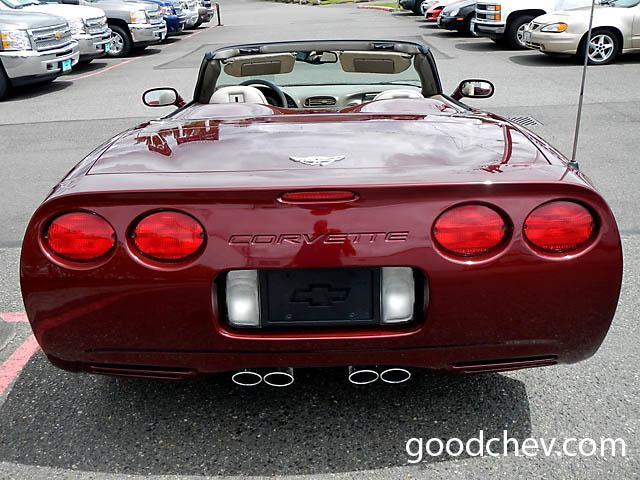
<point>43,39</point>
<point>553,27</point>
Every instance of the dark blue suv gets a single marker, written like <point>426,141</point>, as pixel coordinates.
<point>172,14</point>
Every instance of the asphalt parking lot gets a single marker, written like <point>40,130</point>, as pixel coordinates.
<point>58,425</point>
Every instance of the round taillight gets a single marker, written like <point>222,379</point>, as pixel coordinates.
<point>80,236</point>
<point>559,227</point>
<point>168,236</point>
<point>470,230</point>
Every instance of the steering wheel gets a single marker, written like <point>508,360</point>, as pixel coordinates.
<point>276,89</point>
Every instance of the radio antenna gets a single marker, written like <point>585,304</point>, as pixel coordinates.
<point>574,162</point>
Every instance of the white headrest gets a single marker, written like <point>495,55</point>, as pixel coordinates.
<point>398,93</point>
<point>238,94</point>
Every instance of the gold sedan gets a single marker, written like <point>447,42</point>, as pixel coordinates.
<point>616,29</point>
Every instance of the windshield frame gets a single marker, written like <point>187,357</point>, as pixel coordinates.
<point>18,4</point>
<point>422,61</point>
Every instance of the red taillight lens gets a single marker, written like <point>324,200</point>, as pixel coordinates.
<point>559,227</point>
<point>321,196</point>
<point>80,236</point>
<point>470,230</point>
<point>168,236</point>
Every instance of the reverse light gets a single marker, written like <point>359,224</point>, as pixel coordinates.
<point>243,299</point>
<point>470,231</point>
<point>560,227</point>
<point>15,40</point>
<point>80,237</point>
<point>168,236</point>
<point>555,28</point>
<point>398,294</point>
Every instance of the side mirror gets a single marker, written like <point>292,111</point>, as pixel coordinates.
<point>474,89</point>
<point>162,97</point>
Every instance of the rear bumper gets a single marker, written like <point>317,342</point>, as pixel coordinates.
<point>515,307</point>
<point>31,66</point>
<point>462,359</point>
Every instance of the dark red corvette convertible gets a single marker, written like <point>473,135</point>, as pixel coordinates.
<point>321,204</point>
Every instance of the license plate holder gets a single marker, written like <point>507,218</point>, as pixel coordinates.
<point>320,297</point>
<point>526,36</point>
<point>107,47</point>
<point>66,65</point>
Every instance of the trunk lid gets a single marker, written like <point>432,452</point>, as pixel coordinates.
<point>320,146</point>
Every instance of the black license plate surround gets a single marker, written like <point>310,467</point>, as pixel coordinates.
<point>291,291</point>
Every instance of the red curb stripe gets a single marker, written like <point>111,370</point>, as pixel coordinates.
<point>104,70</point>
<point>13,317</point>
<point>12,367</point>
<point>376,7</point>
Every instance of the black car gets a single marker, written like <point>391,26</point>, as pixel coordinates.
<point>413,5</point>
<point>458,16</point>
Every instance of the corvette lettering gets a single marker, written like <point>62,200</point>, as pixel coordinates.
<point>316,239</point>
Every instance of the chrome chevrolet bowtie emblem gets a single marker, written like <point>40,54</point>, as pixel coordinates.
<point>317,161</point>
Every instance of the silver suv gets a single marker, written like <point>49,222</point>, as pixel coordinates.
<point>35,47</point>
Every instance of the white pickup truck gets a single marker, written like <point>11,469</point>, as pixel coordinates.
<point>504,21</point>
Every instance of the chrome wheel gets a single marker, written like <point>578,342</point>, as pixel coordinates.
<point>117,44</point>
<point>520,34</point>
<point>601,48</point>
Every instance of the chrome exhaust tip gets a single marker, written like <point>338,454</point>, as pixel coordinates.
<point>246,378</point>
<point>279,378</point>
<point>362,376</point>
<point>395,375</point>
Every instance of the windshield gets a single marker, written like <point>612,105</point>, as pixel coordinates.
<point>568,4</point>
<point>20,3</point>
<point>306,73</point>
<point>625,3</point>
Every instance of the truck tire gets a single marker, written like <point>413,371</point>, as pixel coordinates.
<point>466,28</point>
<point>121,44</point>
<point>514,31</point>
<point>4,84</point>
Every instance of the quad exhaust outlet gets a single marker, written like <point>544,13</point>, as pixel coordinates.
<point>368,375</point>
<point>274,378</point>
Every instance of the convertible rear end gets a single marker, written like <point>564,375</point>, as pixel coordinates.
<point>275,240</point>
